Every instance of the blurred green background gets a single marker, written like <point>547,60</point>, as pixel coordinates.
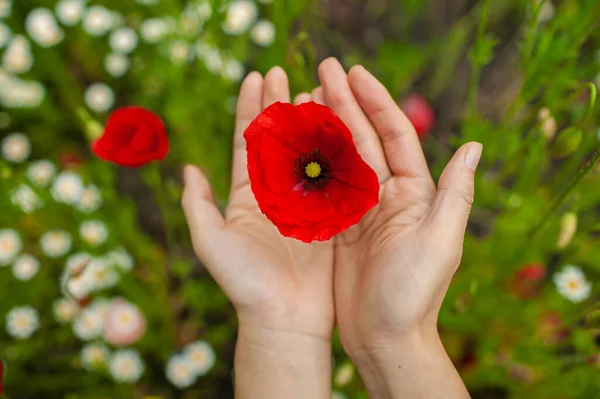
<point>522,317</point>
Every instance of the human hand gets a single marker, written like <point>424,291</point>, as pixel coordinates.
<point>392,270</point>
<point>281,288</point>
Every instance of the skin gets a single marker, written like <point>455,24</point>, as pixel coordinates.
<point>382,280</point>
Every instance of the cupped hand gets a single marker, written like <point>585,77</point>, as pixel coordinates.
<point>274,282</point>
<point>392,270</point>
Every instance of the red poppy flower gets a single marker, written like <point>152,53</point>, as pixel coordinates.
<point>133,137</point>
<point>532,272</point>
<point>1,375</point>
<point>420,114</point>
<point>306,173</point>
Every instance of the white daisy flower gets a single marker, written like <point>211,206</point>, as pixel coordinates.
<point>26,199</point>
<point>65,310</point>
<point>17,56</point>
<point>204,10</point>
<point>126,366</point>
<point>67,187</point>
<point>121,258</point>
<point>22,322</point>
<point>338,395</point>
<point>69,12</point>
<point>344,375</point>
<point>180,52</point>
<point>20,94</point>
<point>233,70</point>
<point>74,266</point>
<point>124,324</point>
<point>116,65</point>
<point>180,372</point>
<point>98,20</point>
<point>263,33</point>
<point>213,61</point>
<point>241,14</point>
<point>55,243</point>
<point>201,356</point>
<point>93,232</point>
<point>94,355</point>
<point>5,35</point>
<point>99,275</point>
<point>25,267</point>
<point>10,246</point>
<point>5,8</point>
<point>41,172</point>
<point>42,27</point>
<point>89,323</point>
<point>16,147</point>
<point>153,30</point>
<point>90,200</point>
<point>123,40</point>
<point>99,97</point>
<point>572,284</point>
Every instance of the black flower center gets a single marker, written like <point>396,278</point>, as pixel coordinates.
<point>313,170</point>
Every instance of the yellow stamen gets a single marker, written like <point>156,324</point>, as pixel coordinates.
<point>313,170</point>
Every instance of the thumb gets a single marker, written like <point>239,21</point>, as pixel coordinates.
<point>455,195</point>
<point>202,215</point>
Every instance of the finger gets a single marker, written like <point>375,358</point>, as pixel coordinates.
<point>202,215</point>
<point>340,99</point>
<point>248,107</point>
<point>317,95</point>
<point>400,142</point>
<point>456,191</point>
<point>302,98</point>
<point>276,87</point>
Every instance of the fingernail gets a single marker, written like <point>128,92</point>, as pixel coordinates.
<point>473,156</point>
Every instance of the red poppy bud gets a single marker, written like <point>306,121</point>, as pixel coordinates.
<point>1,376</point>
<point>420,114</point>
<point>532,272</point>
<point>133,137</point>
<point>305,171</point>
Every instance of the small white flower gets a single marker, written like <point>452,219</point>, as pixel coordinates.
<point>17,93</point>
<point>99,274</point>
<point>74,266</point>
<point>121,258</point>
<point>17,57</point>
<point>179,372</point>
<point>93,232</point>
<point>201,357</point>
<point>69,12</point>
<point>55,243</point>
<point>89,323</point>
<point>10,245</point>
<point>98,20</point>
<point>338,395</point>
<point>180,52</point>
<point>22,322</point>
<point>42,27</point>
<point>25,267</point>
<point>204,10</point>
<point>572,284</point>
<point>5,8</point>
<point>26,199</point>
<point>94,355</point>
<point>90,200</point>
<point>153,30</point>
<point>263,33</point>
<point>123,40</point>
<point>116,65</point>
<point>99,97</point>
<point>233,70</point>
<point>213,61</point>
<point>241,15</point>
<point>5,35</point>
<point>67,187</point>
<point>126,365</point>
<point>41,172</point>
<point>344,375</point>
<point>125,324</point>
<point>65,309</point>
<point>16,147</point>
<point>547,11</point>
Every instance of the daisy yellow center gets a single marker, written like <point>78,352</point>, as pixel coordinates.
<point>313,170</point>
<point>573,284</point>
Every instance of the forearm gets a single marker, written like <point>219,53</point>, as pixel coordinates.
<point>415,367</point>
<point>272,364</point>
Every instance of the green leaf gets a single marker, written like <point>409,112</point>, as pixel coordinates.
<point>567,142</point>
<point>483,52</point>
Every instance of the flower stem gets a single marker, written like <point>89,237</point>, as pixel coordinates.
<point>476,65</point>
